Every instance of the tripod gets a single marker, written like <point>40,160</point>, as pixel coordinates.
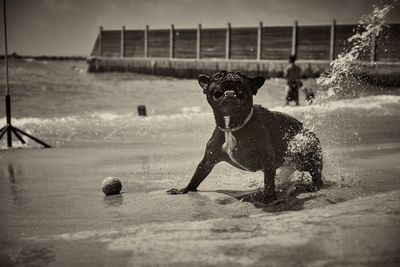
<point>9,128</point>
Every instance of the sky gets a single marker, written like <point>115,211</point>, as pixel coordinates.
<point>70,27</point>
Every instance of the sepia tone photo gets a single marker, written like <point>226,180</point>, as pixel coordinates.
<point>200,133</point>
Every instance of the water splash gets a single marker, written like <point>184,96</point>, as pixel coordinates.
<point>333,82</point>
<point>340,82</point>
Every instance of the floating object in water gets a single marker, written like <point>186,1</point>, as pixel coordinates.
<point>111,186</point>
<point>142,110</point>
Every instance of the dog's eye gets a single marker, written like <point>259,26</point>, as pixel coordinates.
<point>218,94</point>
<point>218,75</point>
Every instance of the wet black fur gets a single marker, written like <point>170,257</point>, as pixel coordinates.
<point>262,144</point>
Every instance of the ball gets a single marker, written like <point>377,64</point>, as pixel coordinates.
<point>111,186</point>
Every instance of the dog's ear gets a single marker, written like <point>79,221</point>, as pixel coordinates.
<point>256,83</point>
<point>204,81</point>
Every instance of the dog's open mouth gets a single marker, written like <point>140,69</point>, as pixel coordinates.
<point>231,103</point>
<point>229,94</point>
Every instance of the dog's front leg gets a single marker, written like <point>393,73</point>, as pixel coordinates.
<point>203,169</point>
<point>269,185</point>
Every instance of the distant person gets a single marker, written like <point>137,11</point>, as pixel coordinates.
<point>310,95</point>
<point>292,75</point>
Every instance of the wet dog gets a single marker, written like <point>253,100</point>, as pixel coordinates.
<point>251,137</point>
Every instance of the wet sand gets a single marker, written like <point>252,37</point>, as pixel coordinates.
<point>360,232</point>
<point>53,210</point>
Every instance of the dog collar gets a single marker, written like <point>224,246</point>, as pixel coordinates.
<point>234,129</point>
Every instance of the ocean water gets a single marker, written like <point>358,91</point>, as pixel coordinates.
<point>91,121</point>
<point>64,106</point>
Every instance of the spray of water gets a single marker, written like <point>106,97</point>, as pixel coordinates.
<point>333,82</point>
<point>338,81</point>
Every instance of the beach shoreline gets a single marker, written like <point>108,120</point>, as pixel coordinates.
<point>49,195</point>
<point>62,205</point>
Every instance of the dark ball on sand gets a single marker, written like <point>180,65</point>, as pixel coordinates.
<point>111,186</point>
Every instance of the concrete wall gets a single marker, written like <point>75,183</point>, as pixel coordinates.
<point>185,68</point>
<point>316,42</point>
<point>378,73</point>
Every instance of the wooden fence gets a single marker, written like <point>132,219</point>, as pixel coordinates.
<point>311,43</point>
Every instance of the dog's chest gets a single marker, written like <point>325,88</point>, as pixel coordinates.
<point>230,146</point>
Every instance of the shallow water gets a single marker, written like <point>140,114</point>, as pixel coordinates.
<point>92,123</point>
<point>65,106</point>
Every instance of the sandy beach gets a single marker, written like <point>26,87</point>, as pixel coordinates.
<point>54,213</point>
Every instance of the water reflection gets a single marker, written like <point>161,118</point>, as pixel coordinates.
<point>36,256</point>
<point>13,183</point>
<point>11,175</point>
<point>113,200</point>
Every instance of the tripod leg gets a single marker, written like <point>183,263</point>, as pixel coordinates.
<point>33,138</point>
<point>17,135</point>
<point>3,131</point>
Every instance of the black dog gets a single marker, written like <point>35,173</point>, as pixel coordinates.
<point>251,137</point>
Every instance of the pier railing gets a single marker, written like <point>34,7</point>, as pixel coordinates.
<point>307,42</point>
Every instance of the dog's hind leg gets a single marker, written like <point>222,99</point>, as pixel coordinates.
<point>269,185</point>
<point>307,154</point>
<point>313,164</point>
<point>316,171</point>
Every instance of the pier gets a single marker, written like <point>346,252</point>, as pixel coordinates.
<point>254,50</point>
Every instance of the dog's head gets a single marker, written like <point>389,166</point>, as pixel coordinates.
<point>230,92</point>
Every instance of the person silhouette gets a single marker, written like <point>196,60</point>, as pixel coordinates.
<point>292,75</point>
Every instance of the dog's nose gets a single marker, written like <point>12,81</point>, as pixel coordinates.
<point>229,93</point>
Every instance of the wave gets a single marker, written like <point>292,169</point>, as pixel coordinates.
<point>113,126</point>
<point>383,105</point>
<point>191,121</point>
<point>102,117</point>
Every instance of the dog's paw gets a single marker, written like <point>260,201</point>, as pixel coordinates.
<point>268,198</point>
<point>175,191</point>
<point>317,185</point>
